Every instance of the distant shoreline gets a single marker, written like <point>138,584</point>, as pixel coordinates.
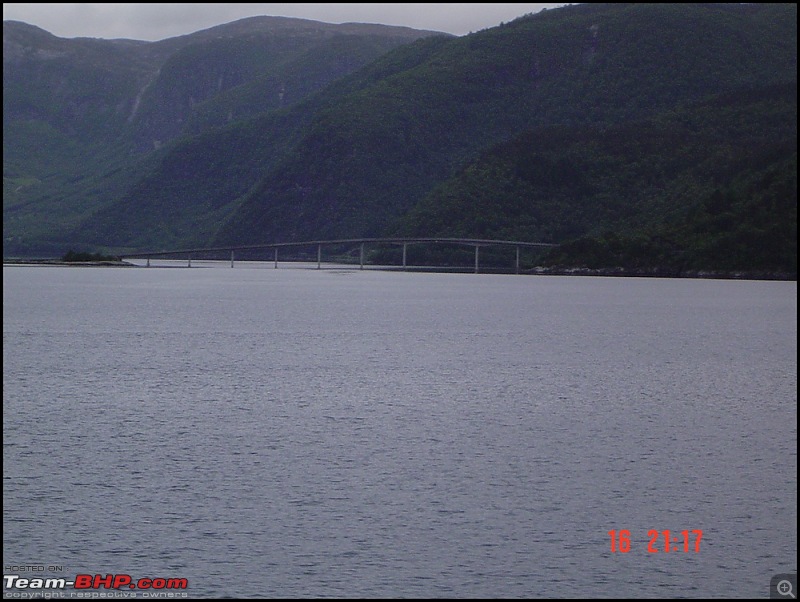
<point>537,271</point>
<point>68,264</point>
<point>666,273</point>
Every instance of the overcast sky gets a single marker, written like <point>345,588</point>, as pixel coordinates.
<point>160,21</point>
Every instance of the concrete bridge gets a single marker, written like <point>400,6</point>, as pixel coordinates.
<point>477,243</point>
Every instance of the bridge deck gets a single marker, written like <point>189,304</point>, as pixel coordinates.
<point>474,242</point>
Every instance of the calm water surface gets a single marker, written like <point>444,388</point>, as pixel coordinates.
<point>304,433</point>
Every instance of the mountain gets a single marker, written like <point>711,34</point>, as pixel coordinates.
<point>81,115</point>
<point>712,185</point>
<point>566,124</point>
<point>369,157</point>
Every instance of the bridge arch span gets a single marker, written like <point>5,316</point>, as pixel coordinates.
<point>477,243</point>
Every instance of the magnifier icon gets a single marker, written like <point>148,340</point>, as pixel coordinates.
<point>784,588</point>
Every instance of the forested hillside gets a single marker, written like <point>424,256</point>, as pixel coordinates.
<point>631,134</point>
<point>84,120</point>
<point>708,186</point>
<point>371,156</point>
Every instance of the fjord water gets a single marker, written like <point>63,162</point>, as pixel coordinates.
<point>334,433</point>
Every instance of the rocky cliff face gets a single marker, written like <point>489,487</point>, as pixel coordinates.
<point>76,110</point>
<point>82,87</point>
<point>149,92</point>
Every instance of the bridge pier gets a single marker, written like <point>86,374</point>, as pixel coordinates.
<point>405,245</point>
<point>319,256</point>
<point>476,258</point>
<point>361,259</point>
<point>276,258</point>
<point>148,262</point>
<point>189,263</point>
<point>517,266</point>
<point>231,258</point>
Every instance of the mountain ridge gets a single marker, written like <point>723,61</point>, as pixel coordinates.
<point>357,154</point>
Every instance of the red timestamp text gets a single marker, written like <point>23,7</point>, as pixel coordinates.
<point>660,541</point>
